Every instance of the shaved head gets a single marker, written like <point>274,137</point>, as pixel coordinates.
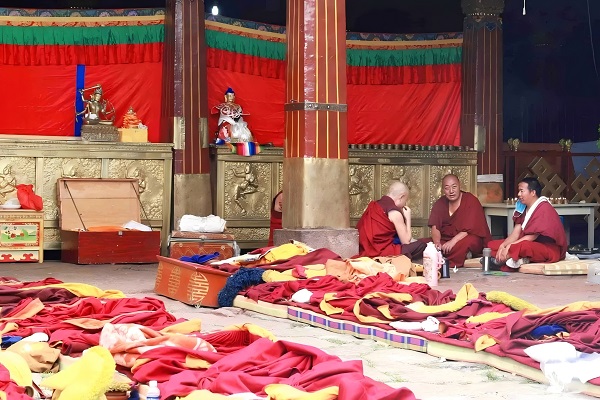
<point>450,178</point>
<point>397,189</point>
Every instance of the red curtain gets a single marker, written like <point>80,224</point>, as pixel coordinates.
<point>252,65</point>
<point>41,100</point>
<point>438,73</point>
<point>37,100</point>
<point>425,114</point>
<point>137,85</point>
<point>11,54</point>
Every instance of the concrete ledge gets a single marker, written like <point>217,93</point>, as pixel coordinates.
<point>341,241</point>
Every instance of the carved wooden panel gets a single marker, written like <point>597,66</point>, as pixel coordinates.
<point>360,188</point>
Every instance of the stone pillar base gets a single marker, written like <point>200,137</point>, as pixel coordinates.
<point>191,195</point>
<point>341,241</point>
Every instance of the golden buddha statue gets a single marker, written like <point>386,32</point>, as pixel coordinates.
<point>97,110</point>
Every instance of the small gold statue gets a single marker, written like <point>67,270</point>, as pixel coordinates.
<point>97,110</point>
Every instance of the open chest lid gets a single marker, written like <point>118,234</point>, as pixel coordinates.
<point>88,202</point>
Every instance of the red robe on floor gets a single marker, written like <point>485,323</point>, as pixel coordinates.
<point>376,233</point>
<point>551,244</point>
<point>470,218</point>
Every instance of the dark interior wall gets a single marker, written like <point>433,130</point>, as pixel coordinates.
<point>551,70</point>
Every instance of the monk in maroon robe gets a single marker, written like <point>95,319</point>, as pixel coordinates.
<point>458,224</point>
<point>385,227</point>
<point>538,235</point>
<point>276,215</point>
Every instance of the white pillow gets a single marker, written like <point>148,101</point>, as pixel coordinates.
<point>552,351</point>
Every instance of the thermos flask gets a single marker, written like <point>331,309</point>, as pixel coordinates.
<point>487,254</point>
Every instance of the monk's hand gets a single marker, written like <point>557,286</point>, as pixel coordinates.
<point>448,246</point>
<point>407,211</point>
<point>502,254</point>
<point>438,245</point>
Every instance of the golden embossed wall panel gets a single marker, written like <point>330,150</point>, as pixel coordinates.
<point>413,176</point>
<point>253,181</point>
<point>42,161</point>
<point>248,190</point>
<point>360,188</point>
<point>150,175</point>
<point>14,171</point>
<point>56,168</point>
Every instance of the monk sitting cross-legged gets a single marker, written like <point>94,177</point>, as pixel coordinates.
<point>538,234</point>
<point>457,222</point>
<point>385,227</point>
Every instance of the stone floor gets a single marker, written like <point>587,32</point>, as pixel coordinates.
<point>428,377</point>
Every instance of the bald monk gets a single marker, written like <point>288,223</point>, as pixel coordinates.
<point>385,227</point>
<point>457,223</point>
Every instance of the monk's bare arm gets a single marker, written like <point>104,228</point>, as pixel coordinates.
<point>436,237</point>
<point>402,228</point>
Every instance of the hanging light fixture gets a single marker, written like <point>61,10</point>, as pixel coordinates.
<point>524,10</point>
<point>215,10</point>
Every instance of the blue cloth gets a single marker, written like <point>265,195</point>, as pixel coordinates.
<point>200,258</point>
<point>547,330</point>
<point>396,240</point>
<point>8,340</point>
<point>242,279</point>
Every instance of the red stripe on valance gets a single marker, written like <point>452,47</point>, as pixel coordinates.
<point>441,73</point>
<point>73,55</point>
<point>245,64</point>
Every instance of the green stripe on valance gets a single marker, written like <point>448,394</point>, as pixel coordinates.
<point>404,57</point>
<point>93,36</point>
<point>245,45</point>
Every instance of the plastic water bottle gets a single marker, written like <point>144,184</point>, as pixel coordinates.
<point>153,391</point>
<point>431,264</point>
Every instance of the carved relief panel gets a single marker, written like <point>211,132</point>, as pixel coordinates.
<point>360,188</point>
<point>14,171</point>
<point>55,168</point>
<point>413,176</point>
<point>247,190</point>
<point>150,176</point>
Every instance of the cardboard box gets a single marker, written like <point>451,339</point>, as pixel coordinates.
<point>88,205</point>
<point>192,243</point>
<point>193,284</point>
<point>133,135</point>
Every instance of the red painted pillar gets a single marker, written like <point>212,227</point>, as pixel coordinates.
<point>481,119</point>
<point>316,144</point>
<point>185,105</point>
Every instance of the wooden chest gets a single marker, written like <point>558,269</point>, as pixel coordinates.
<point>91,214</point>
<point>190,283</point>
<point>192,243</point>
<point>21,235</point>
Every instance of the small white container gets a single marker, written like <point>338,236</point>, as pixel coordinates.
<point>594,273</point>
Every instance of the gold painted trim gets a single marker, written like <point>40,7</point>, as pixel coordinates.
<point>229,27</point>
<point>402,43</point>
<point>179,133</point>
<point>86,19</point>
